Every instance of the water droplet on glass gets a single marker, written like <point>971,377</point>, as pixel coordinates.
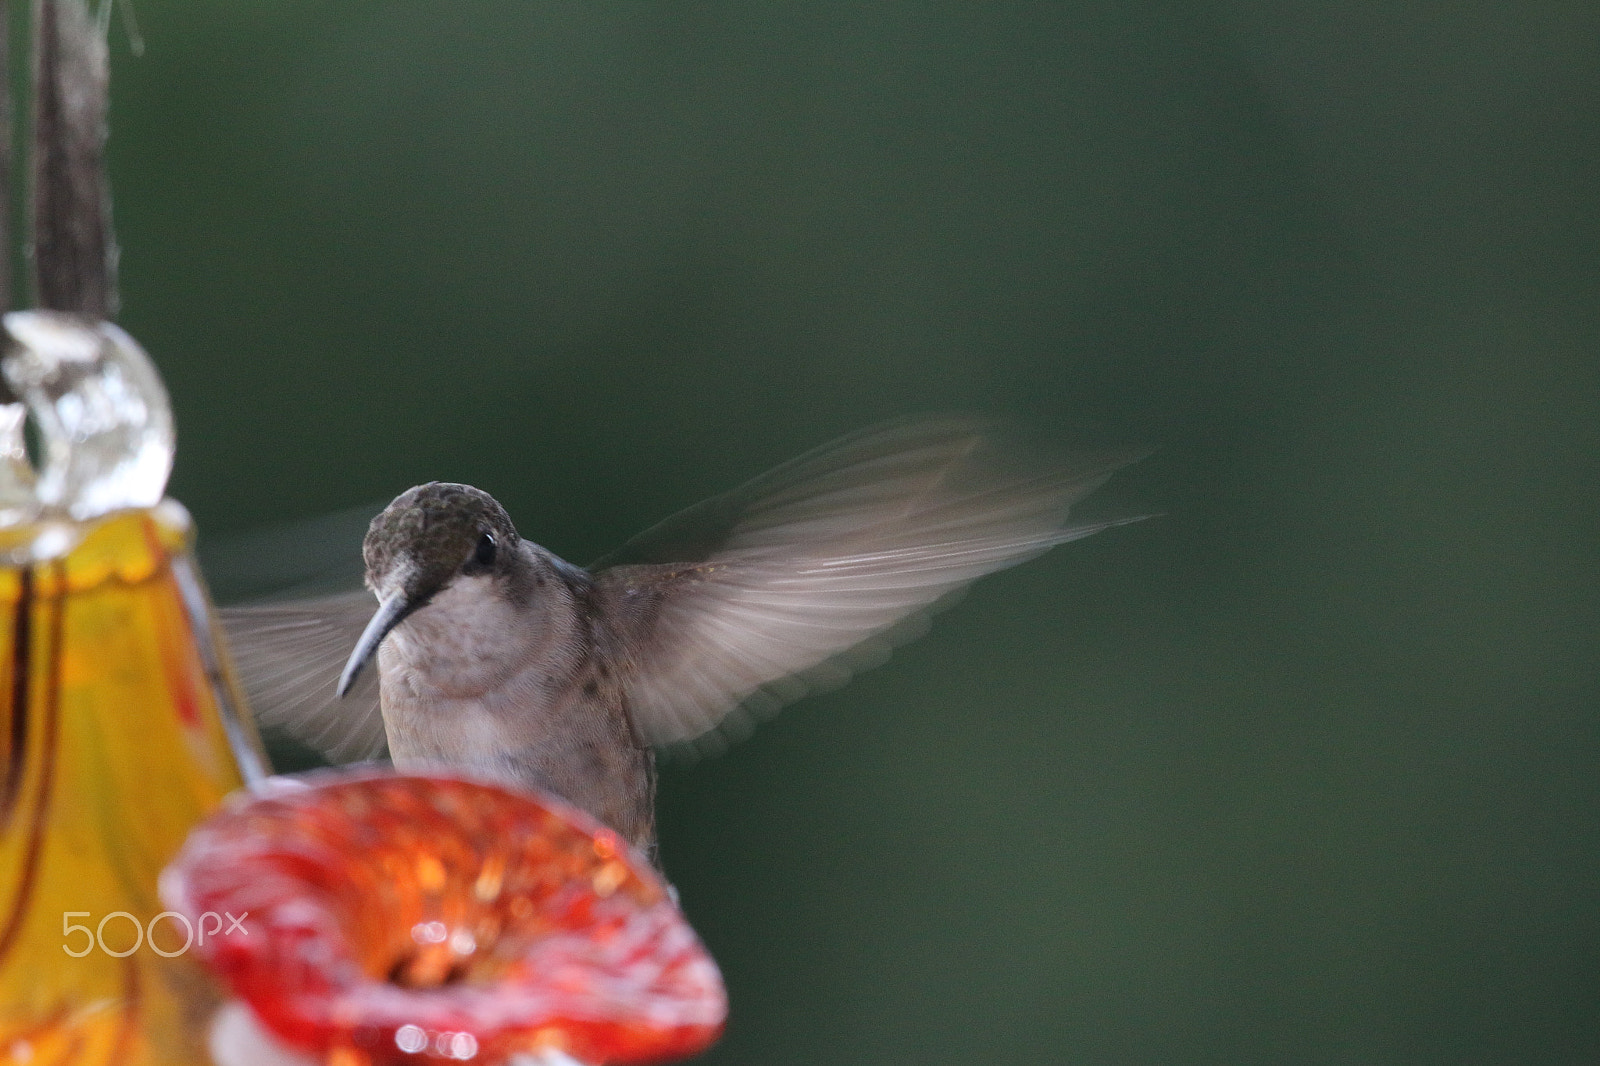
<point>410,1039</point>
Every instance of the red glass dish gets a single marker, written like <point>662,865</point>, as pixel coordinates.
<point>376,918</point>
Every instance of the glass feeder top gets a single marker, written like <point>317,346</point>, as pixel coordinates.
<point>104,424</point>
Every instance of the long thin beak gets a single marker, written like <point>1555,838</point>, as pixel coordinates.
<point>390,613</point>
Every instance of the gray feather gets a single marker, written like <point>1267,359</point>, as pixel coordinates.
<point>288,656</point>
<point>813,571</point>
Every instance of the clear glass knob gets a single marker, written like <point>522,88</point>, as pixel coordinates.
<point>104,421</point>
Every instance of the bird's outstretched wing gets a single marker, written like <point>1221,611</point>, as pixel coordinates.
<point>806,574</point>
<point>288,656</point>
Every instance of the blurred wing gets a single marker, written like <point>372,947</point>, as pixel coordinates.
<point>811,572</point>
<point>303,557</point>
<point>288,657</point>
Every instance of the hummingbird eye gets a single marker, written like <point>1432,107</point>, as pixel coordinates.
<point>483,554</point>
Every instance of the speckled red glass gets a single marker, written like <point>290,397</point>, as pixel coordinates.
<point>403,919</point>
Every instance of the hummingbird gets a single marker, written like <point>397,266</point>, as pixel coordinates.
<point>496,657</point>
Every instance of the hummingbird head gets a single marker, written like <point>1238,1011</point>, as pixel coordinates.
<point>429,536</point>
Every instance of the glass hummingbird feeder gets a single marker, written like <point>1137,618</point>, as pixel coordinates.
<point>120,724</point>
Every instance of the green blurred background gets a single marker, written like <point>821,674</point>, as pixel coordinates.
<point>1304,771</point>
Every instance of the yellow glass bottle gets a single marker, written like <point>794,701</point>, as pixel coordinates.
<point>120,725</point>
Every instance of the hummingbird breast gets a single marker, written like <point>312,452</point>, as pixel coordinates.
<point>514,688</point>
